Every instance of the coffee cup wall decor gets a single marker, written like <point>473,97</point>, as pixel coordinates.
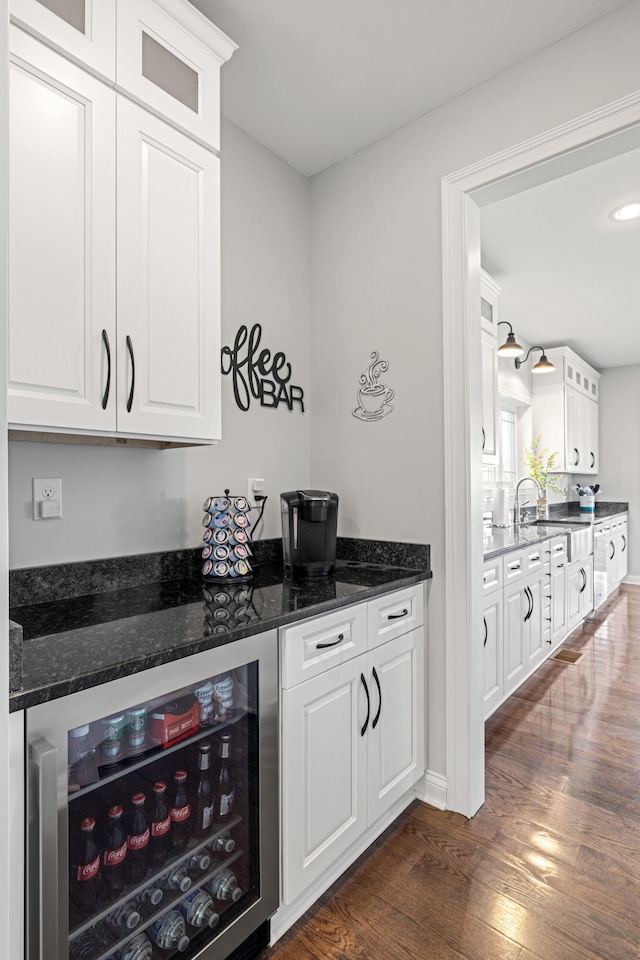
<point>374,397</point>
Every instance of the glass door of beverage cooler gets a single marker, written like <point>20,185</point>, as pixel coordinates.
<point>153,811</point>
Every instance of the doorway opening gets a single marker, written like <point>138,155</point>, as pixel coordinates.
<point>596,136</point>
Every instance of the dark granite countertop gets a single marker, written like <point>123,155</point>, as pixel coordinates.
<point>79,642</point>
<point>562,517</point>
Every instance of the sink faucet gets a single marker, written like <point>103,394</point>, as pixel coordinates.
<point>516,503</point>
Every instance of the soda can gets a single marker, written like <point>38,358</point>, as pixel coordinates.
<point>204,694</point>
<point>240,520</point>
<point>111,751</point>
<point>221,553</point>
<point>240,504</point>
<point>136,727</point>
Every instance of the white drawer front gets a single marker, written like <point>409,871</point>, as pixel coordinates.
<point>557,548</point>
<point>535,557</point>
<point>514,566</point>
<point>314,646</point>
<point>395,614</point>
<point>492,576</point>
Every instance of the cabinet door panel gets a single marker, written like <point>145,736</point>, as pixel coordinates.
<point>396,755</point>
<point>516,606</point>
<point>489,397</point>
<point>85,30</point>
<point>559,624</point>
<point>492,642</point>
<point>168,281</point>
<point>324,769</point>
<point>536,624</point>
<point>62,237</point>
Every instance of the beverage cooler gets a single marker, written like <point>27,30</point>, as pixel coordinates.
<point>153,811</point>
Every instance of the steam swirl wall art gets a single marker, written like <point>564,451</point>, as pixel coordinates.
<point>374,396</point>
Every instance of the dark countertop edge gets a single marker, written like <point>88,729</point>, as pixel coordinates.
<point>22,699</point>
<point>502,551</point>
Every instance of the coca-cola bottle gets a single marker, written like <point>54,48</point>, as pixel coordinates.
<point>138,842</point>
<point>113,856</point>
<point>226,790</point>
<point>180,814</point>
<point>159,843</point>
<point>84,869</point>
<point>204,793</point>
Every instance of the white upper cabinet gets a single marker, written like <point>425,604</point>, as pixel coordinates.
<point>168,280</point>
<point>132,352</point>
<point>84,30</point>
<point>565,411</point>
<point>61,363</point>
<point>171,63</point>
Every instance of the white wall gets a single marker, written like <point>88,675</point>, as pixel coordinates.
<point>619,477</point>
<point>376,285</point>
<point>126,501</point>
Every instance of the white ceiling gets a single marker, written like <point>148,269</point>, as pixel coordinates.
<point>316,80</point>
<point>569,274</point>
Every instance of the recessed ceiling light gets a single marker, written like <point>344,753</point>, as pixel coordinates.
<point>628,211</point>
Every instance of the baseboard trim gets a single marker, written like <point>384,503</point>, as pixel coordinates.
<point>432,789</point>
<point>632,579</point>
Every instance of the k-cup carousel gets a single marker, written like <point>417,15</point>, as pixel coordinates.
<point>227,541</point>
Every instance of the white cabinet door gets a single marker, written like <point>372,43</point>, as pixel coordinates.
<point>493,642</point>
<point>537,625</point>
<point>586,593</point>
<point>396,725</point>
<point>324,764</point>
<point>559,621</point>
<point>62,239</point>
<point>593,463</point>
<point>168,281</point>
<point>516,607</point>
<point>85,30</point>
<point>489,397</point>
<point>575,454</point>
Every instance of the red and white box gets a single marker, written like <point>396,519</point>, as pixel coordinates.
<point>174,720</point>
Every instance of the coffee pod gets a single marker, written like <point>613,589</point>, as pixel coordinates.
<point>240,520</point>
<point>240,504</point>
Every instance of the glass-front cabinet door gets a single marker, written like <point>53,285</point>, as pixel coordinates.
<point>158,809</point>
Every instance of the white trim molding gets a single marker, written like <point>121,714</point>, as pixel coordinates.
<point>432,789</point>
<point>556,150</point>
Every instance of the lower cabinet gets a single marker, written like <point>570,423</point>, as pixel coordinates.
<point>352,745</point>
<point>493,651</point>
<point>579,591</point>
<point>527,626</point>
<point>559,620</point>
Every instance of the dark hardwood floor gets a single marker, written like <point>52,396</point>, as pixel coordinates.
<point>549,868</point>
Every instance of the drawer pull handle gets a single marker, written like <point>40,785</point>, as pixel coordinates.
<point>534,557</point>
<point>133,373</point>
<point>366,690</point>
<point>377,716</point>
<point>396,616</point>
<point>334,643</point>
<point>105,397</point>
<point>514,566</point>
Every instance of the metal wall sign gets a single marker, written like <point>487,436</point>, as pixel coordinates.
<point>373,396</point>
<point>259,374</point>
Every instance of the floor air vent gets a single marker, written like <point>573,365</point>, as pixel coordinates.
<point>568,656</point>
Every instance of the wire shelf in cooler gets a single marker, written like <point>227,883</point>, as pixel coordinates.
<point>131,764</point>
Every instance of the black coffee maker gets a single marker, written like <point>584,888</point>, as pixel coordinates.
<point>309,528</point>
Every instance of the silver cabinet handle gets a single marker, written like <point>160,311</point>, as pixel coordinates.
<point>44,755</point>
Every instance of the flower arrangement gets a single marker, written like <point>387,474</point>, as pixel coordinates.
<point>540,469</point>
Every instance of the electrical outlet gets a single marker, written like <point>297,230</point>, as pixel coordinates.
<point>46,496</point>
<point>255,485</point>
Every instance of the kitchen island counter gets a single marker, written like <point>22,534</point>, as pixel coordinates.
<point>79,642</point>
